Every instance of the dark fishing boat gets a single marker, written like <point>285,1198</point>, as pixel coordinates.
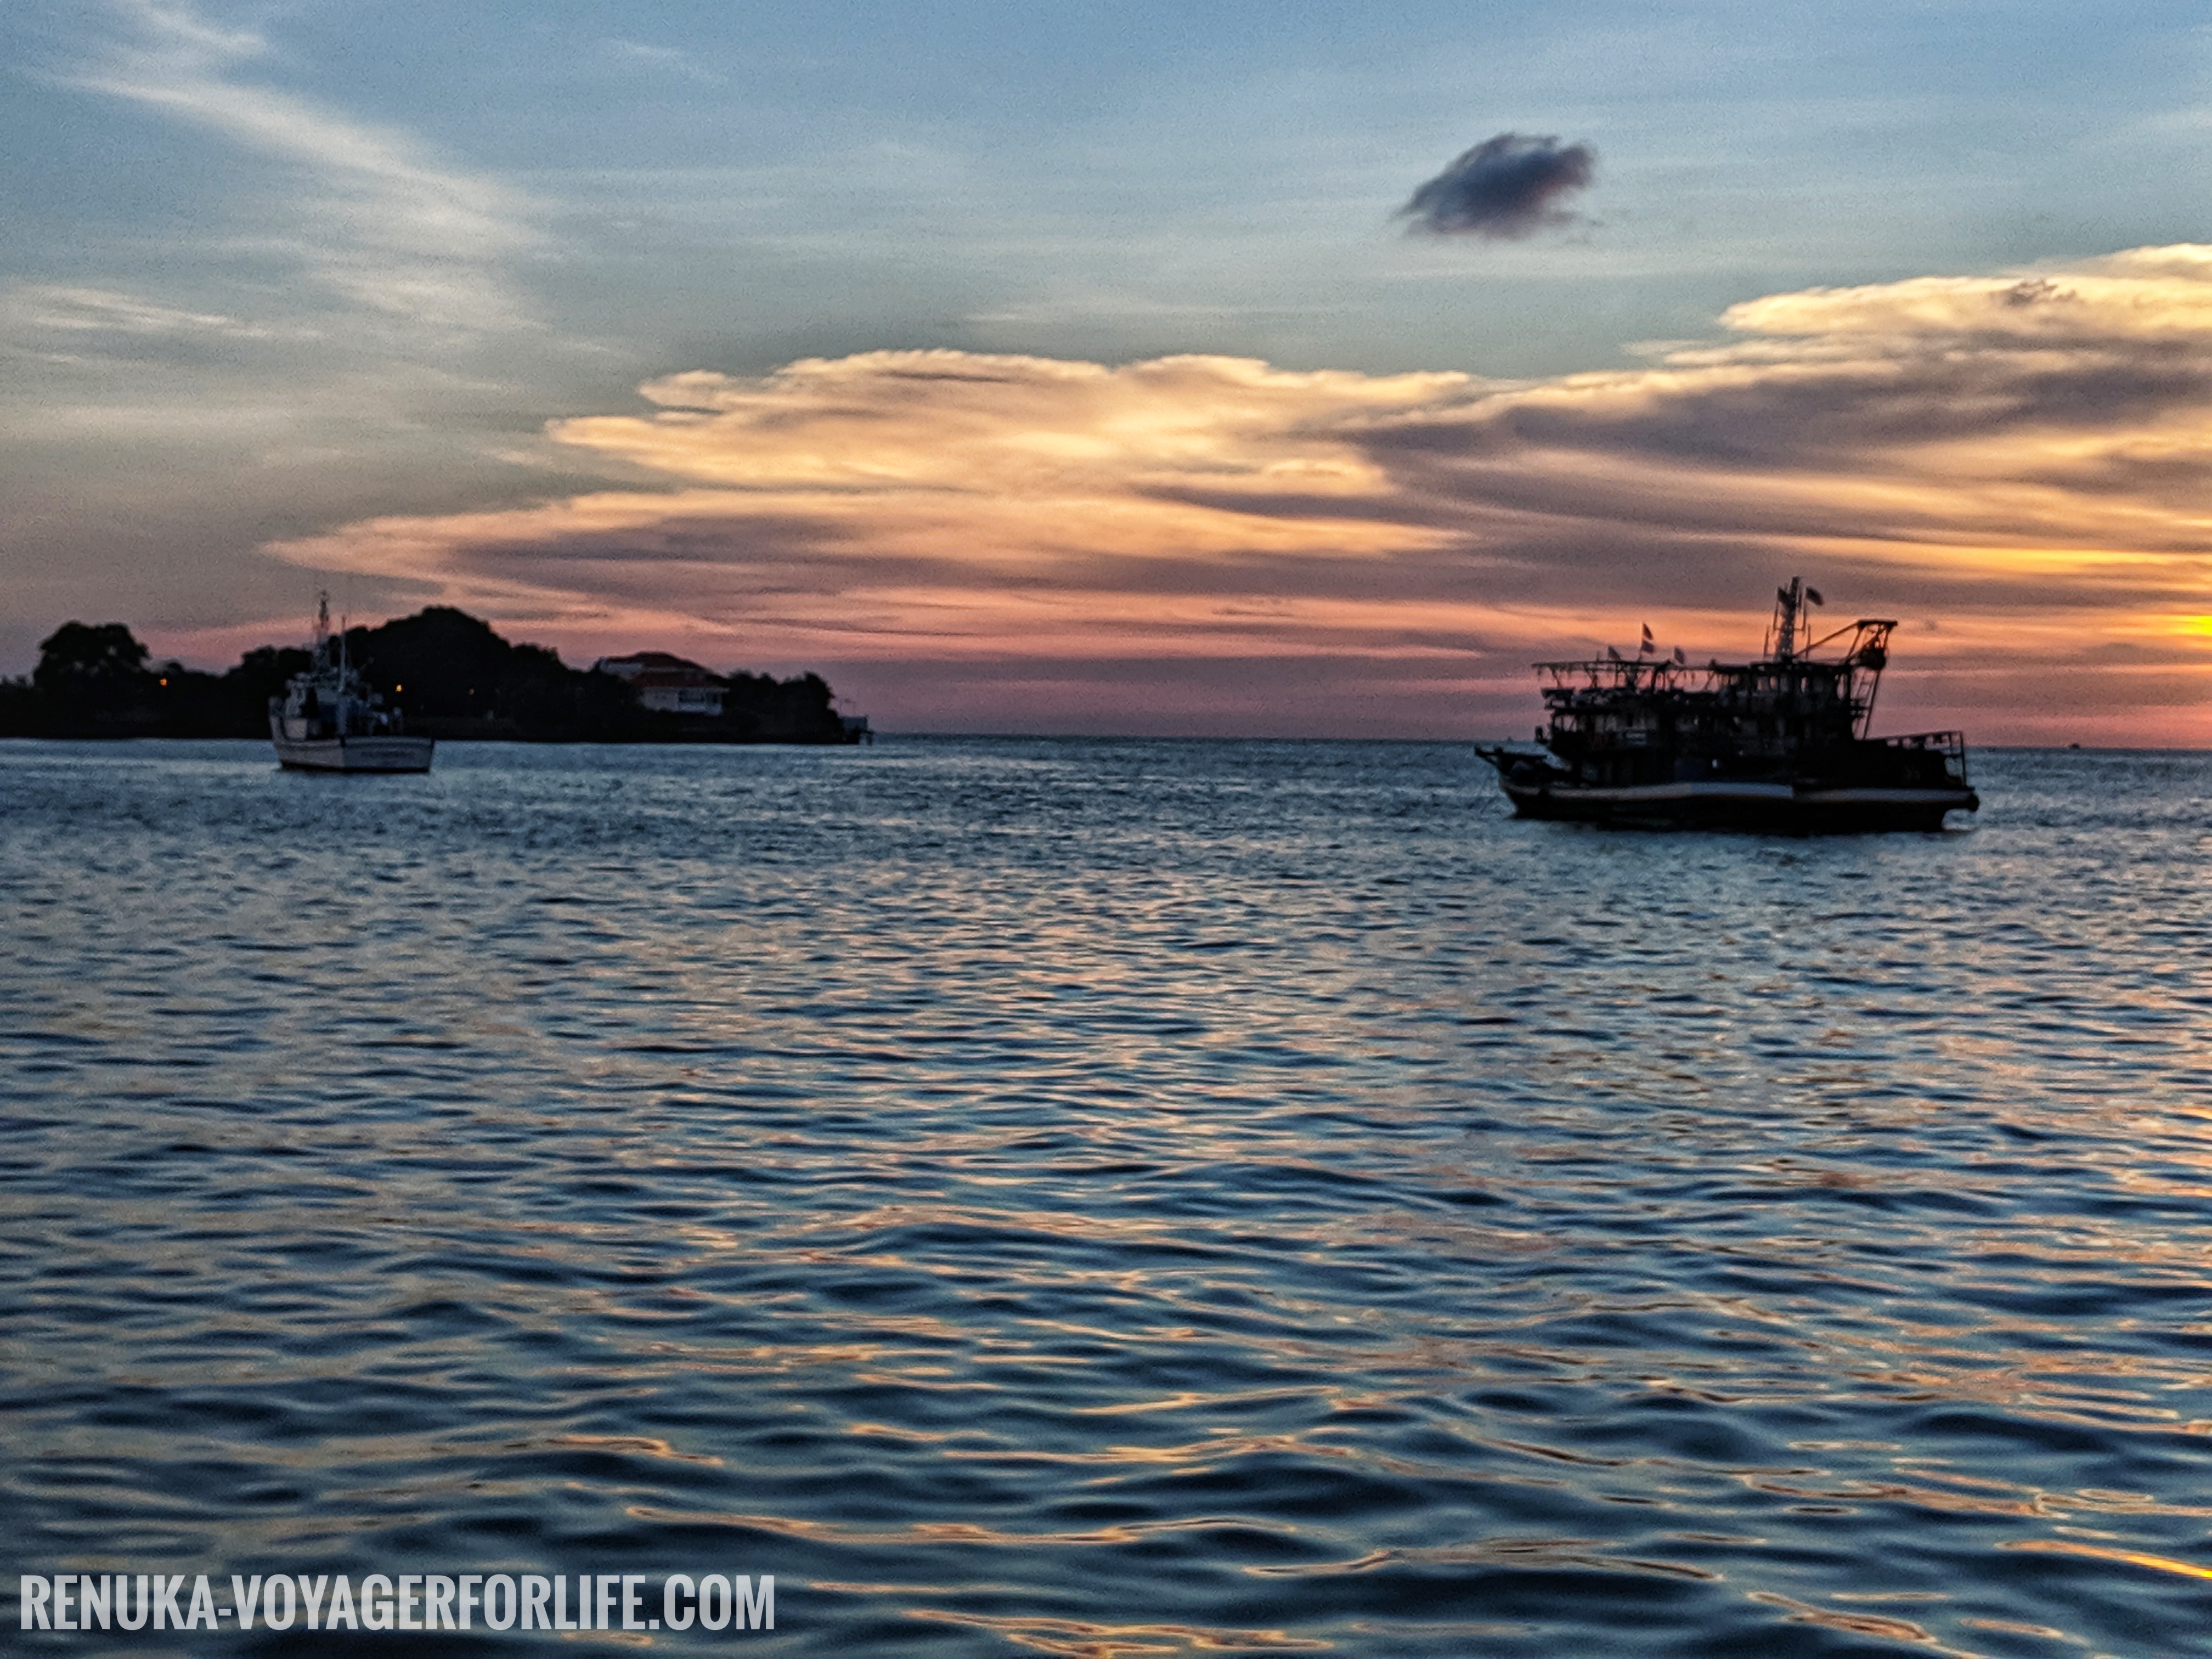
<point>1780,744</point>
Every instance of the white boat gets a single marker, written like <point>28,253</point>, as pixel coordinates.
<point>329,720</point>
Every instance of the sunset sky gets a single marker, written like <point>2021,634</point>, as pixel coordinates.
<point>1134,367</point>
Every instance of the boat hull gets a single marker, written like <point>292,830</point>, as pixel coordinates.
<point>1801,809</point>
<point>382,752</point>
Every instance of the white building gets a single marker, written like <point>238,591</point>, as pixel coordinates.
<point>672,684</point>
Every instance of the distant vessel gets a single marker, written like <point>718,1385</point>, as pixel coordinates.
<point>329,720</point>
<point>1779,743</point>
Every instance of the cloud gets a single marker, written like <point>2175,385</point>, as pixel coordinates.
<point>2018,466</point>
<point>64,309</point>
<point>377,223</point>
<point>935,502</point>
<point>1506,187</point>
<point>955,419</point>
<point>669,60</point>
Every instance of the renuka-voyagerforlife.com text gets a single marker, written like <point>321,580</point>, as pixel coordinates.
<point>437,1601</point>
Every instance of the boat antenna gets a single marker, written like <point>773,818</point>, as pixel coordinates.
<point>1784,640</point>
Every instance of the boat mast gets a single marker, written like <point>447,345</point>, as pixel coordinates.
<point>1789,606</point>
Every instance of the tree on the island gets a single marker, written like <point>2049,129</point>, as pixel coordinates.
<point>91,668</point>
<point>262,673</point>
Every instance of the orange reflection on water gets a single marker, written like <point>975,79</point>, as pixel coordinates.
<point>634,1445</point>
<point>1927,1489</point>
<point>1589,1553</point>
<point>2133,1558</point>
<point>1929,1497</point>
<point>1079,1640</point>
<point>1854,1624</point>
<point>891,1432</point>
<point>936,1532</point>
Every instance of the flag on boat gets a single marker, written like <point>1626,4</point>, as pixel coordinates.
<point>1679,658</point>
<point>1647,640</point>
<point>1813,594</point>
<point>1614,654</point>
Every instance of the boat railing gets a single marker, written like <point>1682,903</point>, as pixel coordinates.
<point>1627,674</point>
<point>1952,745</point>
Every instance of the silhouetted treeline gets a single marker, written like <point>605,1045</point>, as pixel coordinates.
<point>449,672</point>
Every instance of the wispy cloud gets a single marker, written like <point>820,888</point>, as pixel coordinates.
<point>1507,187</point>
<point>666,60</point>
<point>2018,464</point>
<point>378,222</point>
<point>60,308</point>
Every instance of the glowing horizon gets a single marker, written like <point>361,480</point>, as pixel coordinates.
<point>994,448</point>
<point>1950,451</point>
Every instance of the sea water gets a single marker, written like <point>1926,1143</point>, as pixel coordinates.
<point>1103,1198</point>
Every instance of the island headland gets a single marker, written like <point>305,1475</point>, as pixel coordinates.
<point>452,674</point>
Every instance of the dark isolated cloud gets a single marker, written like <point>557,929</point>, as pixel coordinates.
<point>1508,187</point>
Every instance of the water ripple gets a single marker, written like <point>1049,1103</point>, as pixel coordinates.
<point>1115,1199</point>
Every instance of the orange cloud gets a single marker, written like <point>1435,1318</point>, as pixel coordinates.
<point>1023,425</point>
<point>2019,467</point>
